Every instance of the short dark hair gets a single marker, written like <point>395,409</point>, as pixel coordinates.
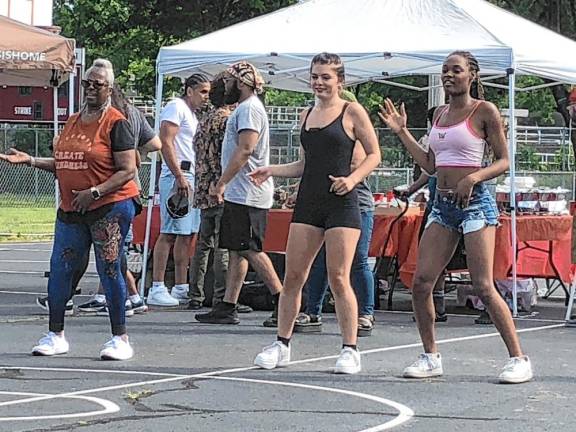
<point>330,58</point>
<point>194,80</point>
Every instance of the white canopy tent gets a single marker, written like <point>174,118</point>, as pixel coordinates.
<point>378,39</point>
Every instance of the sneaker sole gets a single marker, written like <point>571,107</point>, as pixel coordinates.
<point>423,375</point>
<point>364,332</point>
<point>269,325</point>
<point>308,328</point>
<point>88,310</point>
<point>163,305</point>
<point>219,321</point>
<point>42,354</point>
<point>515,380</point>
<point>269,366</point>
<point>140,310</point>
<point>110,358</point>
<point>347,370</point>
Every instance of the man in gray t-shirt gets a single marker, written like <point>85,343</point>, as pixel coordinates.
<point>245,147</point>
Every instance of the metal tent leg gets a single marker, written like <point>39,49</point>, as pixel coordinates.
<point>571,300</point>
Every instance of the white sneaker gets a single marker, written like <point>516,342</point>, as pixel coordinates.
<point>180,294</point>
<point>517,370</point>
<point>116,349</point>
<point>273,356</point>
<point>50,345</point>
<point>159,296</point>
<point>427,366</point>
<point>348,362</point>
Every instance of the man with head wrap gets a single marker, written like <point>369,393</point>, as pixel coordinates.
<point>245,147</point>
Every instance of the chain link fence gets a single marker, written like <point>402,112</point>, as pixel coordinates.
<point>21,186</point>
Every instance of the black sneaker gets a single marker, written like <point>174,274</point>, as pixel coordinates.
<point>241,308</point>
<point>222,313</point>
<point>308,323</point>
<point>92,306</point>
<point>139,307</point>
<point>195,305</point>
<point>43,303</point>
<point>272,320</point>
<point>103,311</point>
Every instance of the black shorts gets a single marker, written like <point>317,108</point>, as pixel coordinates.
<point>242,227</point>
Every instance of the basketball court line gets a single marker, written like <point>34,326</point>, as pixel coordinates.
<point>404,415</point>
<point>108,408</point>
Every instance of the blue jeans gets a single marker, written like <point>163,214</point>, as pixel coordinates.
<point>71,243</point>
<point>361,275</point>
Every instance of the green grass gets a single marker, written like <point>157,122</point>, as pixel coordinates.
<point>26,224</point>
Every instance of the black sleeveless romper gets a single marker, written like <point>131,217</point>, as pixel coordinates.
<point>328,151</point>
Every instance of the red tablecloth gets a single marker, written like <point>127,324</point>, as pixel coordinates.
<point>400,239</point>
<point>551,235</point>
<point>543,242</point>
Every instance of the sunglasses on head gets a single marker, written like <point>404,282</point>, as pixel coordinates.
<point>96,84</point>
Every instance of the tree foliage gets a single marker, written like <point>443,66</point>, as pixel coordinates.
<point>130,32</point>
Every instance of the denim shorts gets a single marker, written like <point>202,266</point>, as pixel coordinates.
<point>187,225</point>
<point>481,211</point>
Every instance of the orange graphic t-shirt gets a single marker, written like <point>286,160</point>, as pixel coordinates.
<point>84,157</point>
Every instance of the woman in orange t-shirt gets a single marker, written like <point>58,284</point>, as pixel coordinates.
<point>94,163</point>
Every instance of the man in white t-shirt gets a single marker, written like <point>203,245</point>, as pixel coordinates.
<point>178,126</point>
<point>246,146</point>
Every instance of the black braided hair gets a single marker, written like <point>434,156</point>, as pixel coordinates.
<point>476,89</point>
<point>194,80</point>
<point>330,59</point>
<point>119,100</point>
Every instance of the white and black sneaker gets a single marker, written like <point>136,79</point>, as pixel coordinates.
<point>103,311</point>
<point>43,303</point>
<point>139,306</point>
<point>93,305</point>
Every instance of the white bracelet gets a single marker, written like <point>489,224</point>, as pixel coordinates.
<point>32,162</point>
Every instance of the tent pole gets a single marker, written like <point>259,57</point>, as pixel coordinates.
<point>55,126</point>
<point>512,156</point>
<point>152,186</point>
<point>436,94</point>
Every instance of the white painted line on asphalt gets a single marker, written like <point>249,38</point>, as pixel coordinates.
<point>108,408</point>
<point>107,371</point>
<point>244,369</point>
<point>24,250</point>
<point>22,272</point>
<point>404,415</point>
<point>32,262</point>
<point>419,344</point>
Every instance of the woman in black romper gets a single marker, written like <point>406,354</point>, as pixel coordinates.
<point>326,208</point>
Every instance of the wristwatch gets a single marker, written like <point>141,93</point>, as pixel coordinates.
<point>95,193</point>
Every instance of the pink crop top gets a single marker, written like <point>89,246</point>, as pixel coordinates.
<point>457,145</point>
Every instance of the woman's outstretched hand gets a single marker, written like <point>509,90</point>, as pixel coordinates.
<point>15,157</point>
<point>260,175</point>
<point>394,119</point>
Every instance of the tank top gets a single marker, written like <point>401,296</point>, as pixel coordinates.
<point>328,151</point>
<point>457,145</point>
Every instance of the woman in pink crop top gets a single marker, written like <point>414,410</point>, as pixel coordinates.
<point>462,205</point>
